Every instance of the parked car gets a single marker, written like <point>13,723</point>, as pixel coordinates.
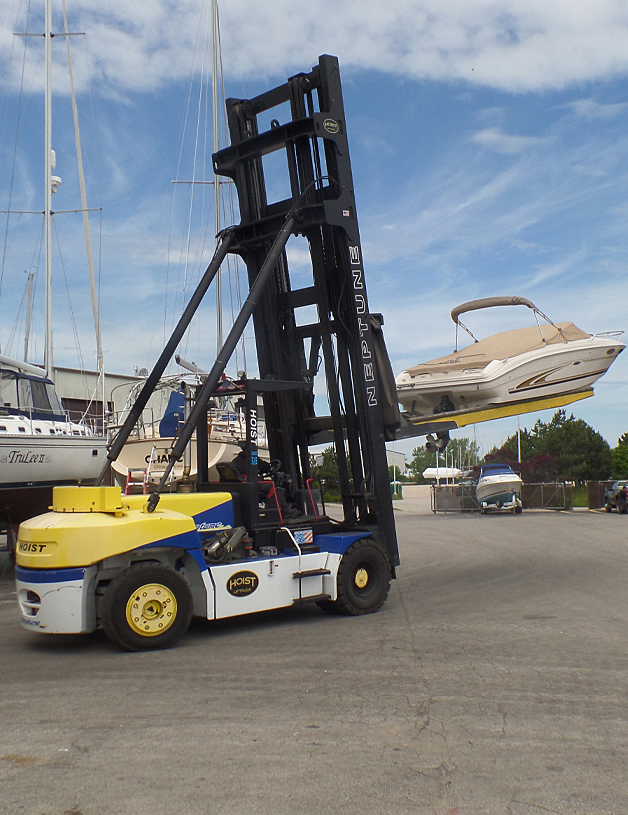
<point>611,493</point>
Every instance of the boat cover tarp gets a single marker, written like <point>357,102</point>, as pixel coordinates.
<point>442,473</point>
<point>500,346</point>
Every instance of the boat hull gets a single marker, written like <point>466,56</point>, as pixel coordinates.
<point>30,461</point>
<point>149,457</point>
<point>551,371</point>
<point>498,490</point>
<point>31,466</point>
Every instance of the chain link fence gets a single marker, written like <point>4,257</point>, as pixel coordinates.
<point>461,497</point>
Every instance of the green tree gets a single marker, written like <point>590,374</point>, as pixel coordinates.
<point>462,451</point>
<point>527,445</point>
<point>620,458</point>
<point>326,473</point>
<point>581,452</point>
<point>421,460</point>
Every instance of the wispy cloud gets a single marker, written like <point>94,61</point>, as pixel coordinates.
<point>541,44</point>
<point>591,109</point>
<point>495,139</point>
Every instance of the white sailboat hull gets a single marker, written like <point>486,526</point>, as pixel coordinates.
<point>550,371</point>
<point>31,461</point>
<point>148,457</point>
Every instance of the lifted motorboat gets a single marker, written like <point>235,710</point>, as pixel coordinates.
<point>499,486</point>
<point>509,367</point>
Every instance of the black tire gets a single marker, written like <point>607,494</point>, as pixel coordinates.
<point>608,508</point>
<point>363,580</point>
<point>518,510</point>
<point>146,607</point>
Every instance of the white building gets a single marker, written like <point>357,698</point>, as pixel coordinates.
<point>398,459</point>
<point>80,394</point>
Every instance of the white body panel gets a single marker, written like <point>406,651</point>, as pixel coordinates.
<point>277,587</point>
<point>69,606</point>
<point>48,452</point>
<point>66,607</point>
<point>550,371</point>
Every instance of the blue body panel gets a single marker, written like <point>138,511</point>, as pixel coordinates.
<point>48,575</point>
<point>338,542</point>
<point>214,518</point>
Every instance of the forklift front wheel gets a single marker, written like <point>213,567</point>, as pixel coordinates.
<point>146,607</point>
<point>363,579</point>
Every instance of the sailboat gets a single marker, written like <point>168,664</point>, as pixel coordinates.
<point>40,447</point>
<point>144,457</point>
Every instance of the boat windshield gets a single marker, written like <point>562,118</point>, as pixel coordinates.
<point>33,395</point>
<point>496,469</point>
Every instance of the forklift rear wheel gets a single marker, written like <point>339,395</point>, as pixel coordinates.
<point>146,607</point>
<point>363,579</point>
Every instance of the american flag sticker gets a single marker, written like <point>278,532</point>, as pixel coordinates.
<point>302,536</point>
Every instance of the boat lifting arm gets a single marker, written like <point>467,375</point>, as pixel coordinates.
<point>213,378</point>
<point>167,354</point>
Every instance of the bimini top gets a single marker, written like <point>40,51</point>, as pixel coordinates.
<point>491,302</point>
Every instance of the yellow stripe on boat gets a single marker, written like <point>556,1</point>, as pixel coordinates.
<point>462,418</point>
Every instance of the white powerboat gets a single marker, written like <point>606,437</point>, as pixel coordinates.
<point>512,366</point>
<point>499,486</point>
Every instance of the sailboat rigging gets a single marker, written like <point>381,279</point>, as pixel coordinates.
<point>40,447</point>
<point>143,459</point>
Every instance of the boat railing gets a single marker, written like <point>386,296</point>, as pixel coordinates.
<point>229,425</point>
<point>65,424</point>
<point>607,335</point>
<point>223,425</point>
<point>146,427</point>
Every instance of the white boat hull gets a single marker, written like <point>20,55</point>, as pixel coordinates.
<point>551,371</point>
<point>498,490</point>
<point>147,458</point>
<point>30,461</point>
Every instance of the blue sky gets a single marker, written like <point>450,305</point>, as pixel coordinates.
<point>489,149</point>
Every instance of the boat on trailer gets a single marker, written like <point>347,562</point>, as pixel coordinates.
<point>499,486</point>
<point>519,365</point>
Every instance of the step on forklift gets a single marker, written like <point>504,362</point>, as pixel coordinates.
<point>140,566</point>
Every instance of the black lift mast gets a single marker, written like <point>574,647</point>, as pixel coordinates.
<point>313,147</point>
<point>338,335</point>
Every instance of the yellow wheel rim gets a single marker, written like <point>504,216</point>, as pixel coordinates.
<point>361,578</point>
<point>151,610</point>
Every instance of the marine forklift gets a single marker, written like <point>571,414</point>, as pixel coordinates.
<point>140,566</point>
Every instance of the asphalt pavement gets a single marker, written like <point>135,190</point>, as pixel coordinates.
<point>494,680</point>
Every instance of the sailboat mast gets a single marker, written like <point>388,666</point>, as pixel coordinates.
<point>48,359</point>
<point>86,230</point>
<point>214,11</point>
<point>29,308</point>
